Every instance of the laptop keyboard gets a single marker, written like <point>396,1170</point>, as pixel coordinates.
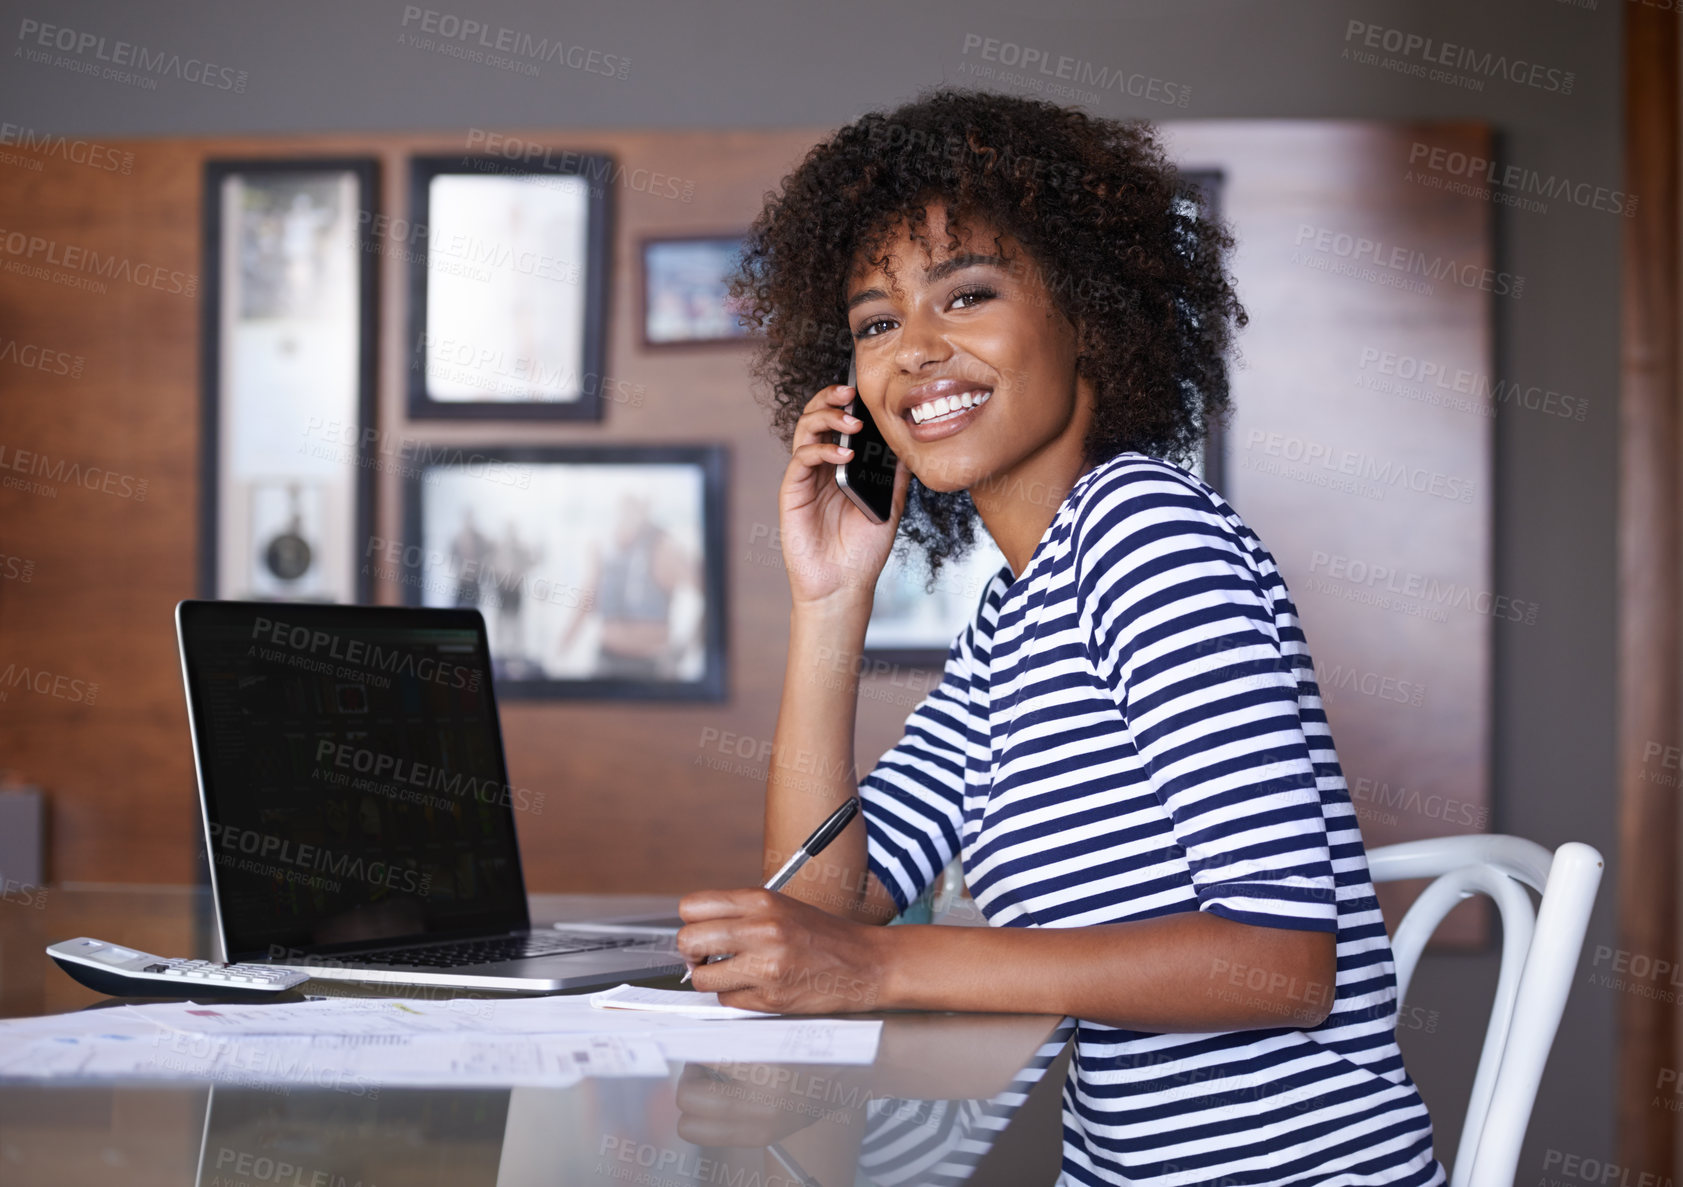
<point>450,956</point>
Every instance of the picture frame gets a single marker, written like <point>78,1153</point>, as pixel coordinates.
<point>508,286</point>
<point>682,296</point>
<point>289,320</point>
<point>914,627</point>
<point>600,569</point>
<point>1207,183</point>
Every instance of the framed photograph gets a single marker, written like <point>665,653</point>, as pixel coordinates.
<point>684,299</point>
<point>915,628</point>
<point>1211,463</point>
<point>288,378</point>
<point>508,293</point>
<point>600,569</point>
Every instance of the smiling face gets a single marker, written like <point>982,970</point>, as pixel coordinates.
<point>966,364</point>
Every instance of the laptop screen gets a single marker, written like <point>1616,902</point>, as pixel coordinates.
<point>352,771</point>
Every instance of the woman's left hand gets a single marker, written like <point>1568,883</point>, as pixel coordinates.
<point>787,956</point>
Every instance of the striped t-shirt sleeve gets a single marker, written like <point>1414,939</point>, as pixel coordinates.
<point>1183,634</point>
<point>913,799</point>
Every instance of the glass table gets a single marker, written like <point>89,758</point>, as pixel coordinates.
<point>971,1098</point>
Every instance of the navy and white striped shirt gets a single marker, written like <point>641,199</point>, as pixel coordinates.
<point>1130,729</point>
<point>940,1143</point>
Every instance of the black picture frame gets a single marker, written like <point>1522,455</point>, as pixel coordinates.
<point>651,245</point>
<point>1208,183</point>
<point>425,572</point>
<point>212,351</point>
<point>592,169</point>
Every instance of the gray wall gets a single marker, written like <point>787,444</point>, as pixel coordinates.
<point>319,66</point>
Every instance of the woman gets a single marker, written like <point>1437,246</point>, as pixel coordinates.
<point>1128,748</point>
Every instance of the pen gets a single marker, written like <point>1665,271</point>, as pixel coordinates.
<point>798,1175</point>
<point>810,848</point>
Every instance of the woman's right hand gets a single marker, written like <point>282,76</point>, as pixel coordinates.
<point>830,549</point>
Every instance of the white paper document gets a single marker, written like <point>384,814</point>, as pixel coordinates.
<point>373,1016</point>
<point>688,1002</point>
<point>774,1040</point>
<point>547,1041</point>
<point>342,1062</point>
<point>341,1016</point>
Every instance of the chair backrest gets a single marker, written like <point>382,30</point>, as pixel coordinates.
<point>1539,960</point>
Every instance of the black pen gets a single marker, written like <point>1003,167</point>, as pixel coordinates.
<point>810,848</point>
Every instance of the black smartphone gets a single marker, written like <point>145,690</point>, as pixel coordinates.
<point>868,476</point>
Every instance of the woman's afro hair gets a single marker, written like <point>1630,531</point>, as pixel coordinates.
<point>1126,250</point>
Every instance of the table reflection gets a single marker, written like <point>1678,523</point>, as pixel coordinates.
<point>950,1098</point>
<point>908,1118</point>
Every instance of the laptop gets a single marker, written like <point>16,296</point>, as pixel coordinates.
<point>357,809</point>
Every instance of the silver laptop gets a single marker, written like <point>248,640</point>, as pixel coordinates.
<point>358,815</point>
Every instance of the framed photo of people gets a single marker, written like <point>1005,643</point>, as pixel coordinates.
<point>289,316</point>
<point>600,569</point>
<point>685,299</point>
<point>508,292</point>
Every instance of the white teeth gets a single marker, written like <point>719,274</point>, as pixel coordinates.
<point>947,405</point>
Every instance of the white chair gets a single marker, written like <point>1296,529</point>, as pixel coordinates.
<point>1539,963</point>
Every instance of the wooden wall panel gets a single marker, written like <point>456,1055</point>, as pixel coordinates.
<point>1647,887</point>
<point>628,806</point>
<point>639,797</point>
<point>1361,268</point>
